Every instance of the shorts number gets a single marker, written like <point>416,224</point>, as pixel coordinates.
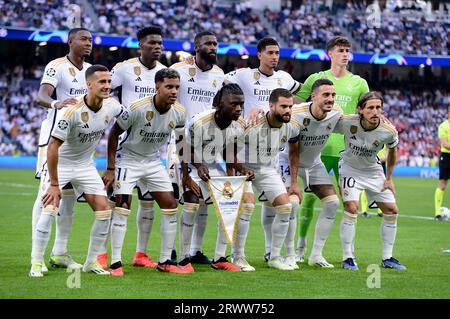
<point>122,174</point>
<point>349,182</point>
<point>285,171</point>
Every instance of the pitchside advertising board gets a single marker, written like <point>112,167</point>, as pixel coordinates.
<point>226,48</point>
<point>29,162</point>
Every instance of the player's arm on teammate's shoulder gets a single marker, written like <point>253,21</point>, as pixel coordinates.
<point>53,194</point>
<point>391,160</point>
<point>44,98</point>
<point>113,141</point>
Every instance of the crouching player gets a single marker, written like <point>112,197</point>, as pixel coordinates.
<point>74,138</point>
<point>149,123</point>
<point>365,135</point>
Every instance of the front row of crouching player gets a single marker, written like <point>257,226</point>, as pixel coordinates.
<point>285,141</point>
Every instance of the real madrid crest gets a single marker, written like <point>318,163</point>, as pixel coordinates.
<point>256,76</point>
<point>284,139</point>
<point>306,121</point>
<point>376,143</point>
<point>353,129</point>
<point>227,191</point>
<point>214,83</point>
<point>329,126</point>
<point>149,115</point>
<point>72,72</point>
<point>85,117</point>
<point>106,119</point>
<point>137,70</point>
<point>171,124</point>
<point>192,71</point>
<point>280,83</point>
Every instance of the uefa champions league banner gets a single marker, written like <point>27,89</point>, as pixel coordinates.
<point>226,193</point>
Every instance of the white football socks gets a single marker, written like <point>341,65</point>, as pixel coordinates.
<point>388,233</point>
<point>347,234</point>
<point>330,205</point>
<point>144,221</point>
<point>280,228</point>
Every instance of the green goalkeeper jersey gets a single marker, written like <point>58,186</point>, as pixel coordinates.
<point>348,91</point>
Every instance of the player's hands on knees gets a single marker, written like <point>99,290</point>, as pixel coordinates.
<point>108,178</point>
<point>388,184</point>
<point>188,183</point>
<point>65,103</point>
<point>52,197</point>
<point>294,189</point>
<point>203,173</point>
<point>254,115</point>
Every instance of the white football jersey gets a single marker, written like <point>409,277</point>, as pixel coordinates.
<point>68,81</point>
<point>209,140</point>
<point>313,133</point>
<point>81,129</point>
<point>136,80</point>
<point>362,146</point>
<point>198,87</point>
<point>264,143</point>
<point>147,129</point>
<point>257,86</point>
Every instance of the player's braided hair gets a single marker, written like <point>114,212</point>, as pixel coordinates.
<point>372,95</point>
<point>231,88</point>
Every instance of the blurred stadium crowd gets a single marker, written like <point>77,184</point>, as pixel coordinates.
<point>307,26</point>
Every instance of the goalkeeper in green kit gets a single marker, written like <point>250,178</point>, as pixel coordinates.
<point>349,87</point>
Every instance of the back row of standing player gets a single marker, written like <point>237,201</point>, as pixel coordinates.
<point>200,81</point>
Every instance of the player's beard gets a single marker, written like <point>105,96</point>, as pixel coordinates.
<point>280,118</point>
<point>208,58</point>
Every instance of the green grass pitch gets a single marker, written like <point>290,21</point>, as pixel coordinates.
<point>419,246</point>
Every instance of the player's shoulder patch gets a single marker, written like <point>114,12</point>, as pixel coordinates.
<point>140,103</point>
<point>295,122</point>
<point>73,108</point>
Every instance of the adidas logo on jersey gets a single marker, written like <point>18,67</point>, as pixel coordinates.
<point>74,81</point>
<point>257,83</point>
<point>148,124</point>
<point>353,137</point>
<point>304,130</point>
<point>191,80</point>
<point>138,78</point>
<point>85,126</point>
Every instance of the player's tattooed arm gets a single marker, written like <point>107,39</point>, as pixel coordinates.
<point>113,141</point>
<point>44,98</point>
<point>53,194</point>
<point>391,159</point>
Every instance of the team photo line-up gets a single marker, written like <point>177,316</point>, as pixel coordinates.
<point>254,122</point>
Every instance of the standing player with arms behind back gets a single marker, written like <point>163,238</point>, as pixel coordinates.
<point>444,166</point>
<point>65,79</point>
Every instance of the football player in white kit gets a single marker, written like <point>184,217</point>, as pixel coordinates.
<point>257,84</point>
<point>199,84</point>
<point>365,135</point>
<point>135,79</point>
<point>264,140</point>
<point>302,158</point>
<point>149,123</point>
<point>215,132</point>
<point>69,160</point>
<point>64,78</point>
